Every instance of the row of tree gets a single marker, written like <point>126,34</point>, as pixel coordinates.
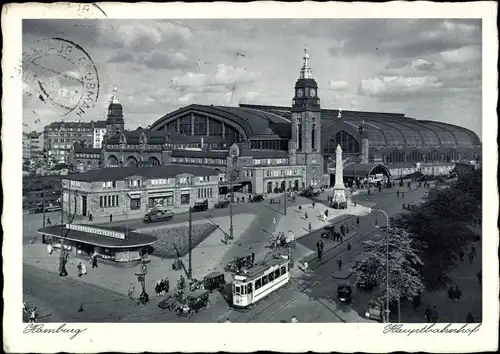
<point>424,244</point>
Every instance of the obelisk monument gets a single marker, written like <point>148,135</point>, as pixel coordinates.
<point>339,188</point>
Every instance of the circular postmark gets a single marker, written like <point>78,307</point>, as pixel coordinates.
<point>60,73</point>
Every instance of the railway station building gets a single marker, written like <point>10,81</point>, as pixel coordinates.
<point>287,147</point>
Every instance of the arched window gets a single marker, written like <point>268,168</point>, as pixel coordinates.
<point>299,132</point>
<point>348,144</point>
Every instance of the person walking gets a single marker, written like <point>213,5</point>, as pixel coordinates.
<point>94,261</point>
<point>403,195</point>
<point>461,255</point>
<point>434,314</point>
<point>131,289</point>
<point>428,313</point>
<point>90,217</point>
<point>313,204</point>
<point>84,269</point>
<point>471,257</point>
<point>110,217</point>
<point>310,227</point>
<point>349,247</point>
<point>33,315</point>
<point>318,249</point>
<point>294,320</point>
<point>157,288</point>
<point>305,215</point>
<point>347,229</point>
<point>166,285</point>
<point>326,212</point>
<point>339,263</point>
<point>469,318</point>
<point>50,249</point>
<point>79,269</point>
<point>48,221</point>
<point>321,245</point>
<point>342,230</point>
<point>357,220</point>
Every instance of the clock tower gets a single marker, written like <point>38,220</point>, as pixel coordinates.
<point>305,143</point>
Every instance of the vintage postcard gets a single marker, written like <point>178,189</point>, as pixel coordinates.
<point>198,177</point>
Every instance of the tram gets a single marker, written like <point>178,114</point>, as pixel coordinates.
<point>260,281</point>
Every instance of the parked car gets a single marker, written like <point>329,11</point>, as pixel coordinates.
<point>201,206</point>
<point>257,198</point>
<point>374,311</point>
<point>214,281</point>
<point>194,302</point>
<point>344,292</point>
<point>222,204</point>
<point>365,283</point>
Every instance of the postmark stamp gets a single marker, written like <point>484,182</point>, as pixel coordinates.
<point>61,73</point>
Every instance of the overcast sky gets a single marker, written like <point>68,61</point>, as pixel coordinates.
<point>427,69</point>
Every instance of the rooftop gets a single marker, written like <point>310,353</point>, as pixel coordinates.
<point>132,239</point>
<point>121,173</point>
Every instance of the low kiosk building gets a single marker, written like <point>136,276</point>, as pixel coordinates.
<point>114,244</point>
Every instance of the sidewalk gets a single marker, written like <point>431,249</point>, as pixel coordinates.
<point>205,258</point>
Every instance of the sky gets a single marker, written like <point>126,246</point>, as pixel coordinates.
<point>426,68</point>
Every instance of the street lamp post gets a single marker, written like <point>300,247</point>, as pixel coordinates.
<point>387,311</point>
<point>62,260</point>
<point>234,152</point>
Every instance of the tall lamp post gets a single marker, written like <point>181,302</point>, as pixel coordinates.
<point>234,152</point>
<point>62,253</point>
<point>387,311</point>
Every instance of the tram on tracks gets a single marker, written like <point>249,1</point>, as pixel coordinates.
<point>259,282</point>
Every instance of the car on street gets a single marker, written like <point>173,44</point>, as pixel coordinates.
<point>344,292</point>
<point>201,206</point>
<point>222,204</point>
<point>257,198</point>
<point>158,214</point>
<point>374,311</point>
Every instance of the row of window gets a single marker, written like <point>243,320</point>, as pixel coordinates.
<point>108,201</point>
<point>270,161</point>
<point>264,280</point>
<point>87,156</point>
<point>204,193</point>
<point>206,161</point>
<point>277,173</point>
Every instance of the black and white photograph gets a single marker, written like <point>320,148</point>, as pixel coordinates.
<point>222,171</point>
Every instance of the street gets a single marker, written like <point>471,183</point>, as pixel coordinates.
<point>311,298</point>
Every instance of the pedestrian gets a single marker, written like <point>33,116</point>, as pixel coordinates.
<point>84,269</point>
<point>326,212</point>
<point>253,258</point>
<point>473,249</point>
<point>294,320</point>
<point>90,217</point>
<point>131,289</point>
<point>428,313</point>
<point>50,249</point>
<point>451,293</point>
<point>321,245</point>
<point>461,255</point>
<point>469,318</point>
<point>341,237</point>
<point>357,220</point>
<point>48,221</point>
<point>434,314</point>
<point>339,263</point>
<point>305,215</point>
<point>347,229</point>
<point>403,195</point>
<point>342,229</point>
<point>458,292</point>
<point>33,315</point>
<point>79,269</point>
<point>310,227</point>
<point>158,288</point>
<point>471,257</point>
<point>110,217</point>
<point>94,261</point>
<point>313,204</point>
<point>397,194</point>
<point>306,266</point>
<point>480,277</point>
<point>354,203</point>
<point>349,247</point>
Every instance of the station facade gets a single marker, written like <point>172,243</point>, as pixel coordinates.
<point>293,147</point>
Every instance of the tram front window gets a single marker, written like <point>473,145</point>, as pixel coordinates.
<point>237,290</point>
<point>283,270</point>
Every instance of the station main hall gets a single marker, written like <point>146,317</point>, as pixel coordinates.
<point>286,147</point>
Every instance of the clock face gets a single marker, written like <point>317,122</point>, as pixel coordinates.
<point>313,92</point>
<point>300,93</point>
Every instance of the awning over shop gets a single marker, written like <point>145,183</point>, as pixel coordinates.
<point>160,194</point>
<point>134,195</point>
<point>91,236</point>
<point>364,170</point>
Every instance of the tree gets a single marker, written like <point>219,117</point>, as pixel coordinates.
<point>439,226</point>
<point>404,264</point>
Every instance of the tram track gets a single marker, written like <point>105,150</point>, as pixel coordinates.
<point>302,291</point>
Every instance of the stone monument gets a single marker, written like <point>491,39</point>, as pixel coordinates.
<point>339,200</point>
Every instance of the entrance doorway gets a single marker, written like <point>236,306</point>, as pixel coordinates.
<point>84,205</point>
<point>269,187</point>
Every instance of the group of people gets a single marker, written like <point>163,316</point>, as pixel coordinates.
<point>454,292</point>
<point>31,311</point>
<point>431,314</point>
<point>162,287</point>
<point>82,269</point>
